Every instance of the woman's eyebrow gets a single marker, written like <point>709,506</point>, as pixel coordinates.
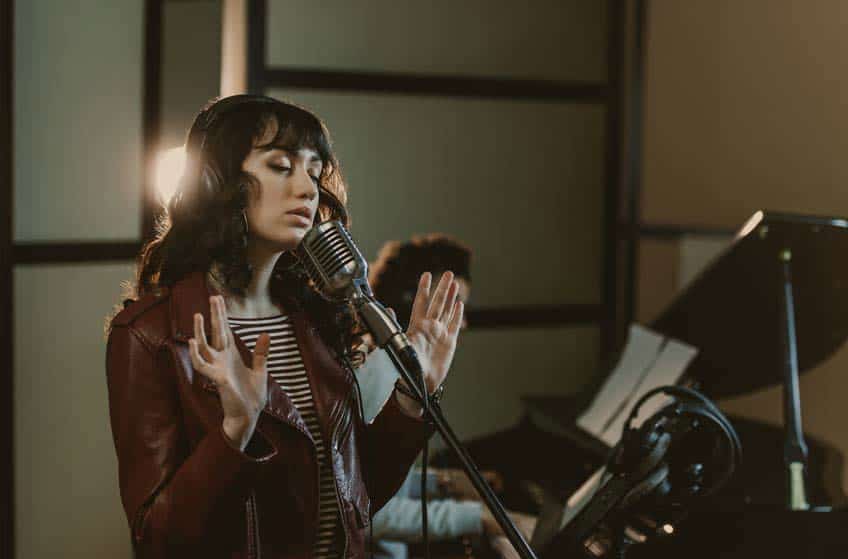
<point>272,147</point>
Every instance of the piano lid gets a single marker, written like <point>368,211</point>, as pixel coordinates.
<point>731,311</point>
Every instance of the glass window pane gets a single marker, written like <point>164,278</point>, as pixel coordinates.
<point>543,39</point>
<point>495,368</point>
<point>66,480</point>
<point>78,103</point>
<point>521,183</point>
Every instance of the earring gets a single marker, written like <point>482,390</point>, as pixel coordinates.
<point>244,216</point>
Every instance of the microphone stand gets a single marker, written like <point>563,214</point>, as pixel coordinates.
<point>406,363</point>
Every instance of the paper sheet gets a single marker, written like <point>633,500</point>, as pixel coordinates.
<point>639,354</point>
<point>667,368</point>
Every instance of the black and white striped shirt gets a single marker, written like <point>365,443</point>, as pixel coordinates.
<point>286,367</point>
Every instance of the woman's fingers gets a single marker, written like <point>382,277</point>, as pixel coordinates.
<point>217,343</point>
<point>224,325</point>
<point>260,352</point>
<point>437,303</point>
<point>453,293</point>
<point>200,338</point>
<point>456,318</point>
<point>419,305</point>
<point>198,362</point>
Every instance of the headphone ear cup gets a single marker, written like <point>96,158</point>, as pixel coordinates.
<point>717,415</point>
<point>645,448</point>
<point>701,475</point>
<point>656,480</point>
<point>640,449</point>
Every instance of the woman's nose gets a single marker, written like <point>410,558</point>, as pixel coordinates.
<point>305,186</point>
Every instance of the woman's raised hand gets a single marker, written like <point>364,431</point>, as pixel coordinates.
<point>434,325</point>
<point>243,390</point>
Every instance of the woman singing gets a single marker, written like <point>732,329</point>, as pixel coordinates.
<point>233,408</point>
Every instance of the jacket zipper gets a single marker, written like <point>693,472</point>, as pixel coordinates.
<point>333,449</point>
<point>341,512</point>
<point>253,547</point>
<point>137,525</point>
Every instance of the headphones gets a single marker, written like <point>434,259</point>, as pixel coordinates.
<point>204,122</point>
<point>205,119</point>
<point>687,449</point>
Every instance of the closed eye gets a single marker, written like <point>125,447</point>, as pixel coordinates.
<point>284,169</point>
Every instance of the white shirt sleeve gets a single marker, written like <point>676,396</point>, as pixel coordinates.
<point>376,379</point>
<point>447,519</point>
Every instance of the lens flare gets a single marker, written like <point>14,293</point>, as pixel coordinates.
<point>169,168</point>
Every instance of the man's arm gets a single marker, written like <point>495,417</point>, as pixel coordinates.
<point>447,519</point>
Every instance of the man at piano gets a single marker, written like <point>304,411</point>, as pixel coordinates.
<point>454,510</point>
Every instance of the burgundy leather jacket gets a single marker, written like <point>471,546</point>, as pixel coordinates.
<point>189,492</point>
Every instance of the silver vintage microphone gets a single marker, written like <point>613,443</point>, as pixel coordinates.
<point>340,273</point>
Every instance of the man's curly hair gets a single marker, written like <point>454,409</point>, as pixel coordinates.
<point>394,275</point>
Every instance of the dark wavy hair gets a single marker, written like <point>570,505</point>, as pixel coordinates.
<point>394,275</point>
<point>202,227</point>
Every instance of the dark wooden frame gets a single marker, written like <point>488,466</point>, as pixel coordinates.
<point>630,229</point>
<point>630,194</point>
<point>611,331</point>
<point>261,76</point>
<point>672,232</point>
<point>151,117</point>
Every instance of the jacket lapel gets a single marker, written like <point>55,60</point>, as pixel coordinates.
<point>330,382</point>
<point>191,295</point>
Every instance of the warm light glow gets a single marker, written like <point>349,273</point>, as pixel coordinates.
<point>751,224</point>
<point>668,529</point>
<point>169,168</point>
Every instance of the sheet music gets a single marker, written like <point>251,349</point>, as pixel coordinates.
<point>639,354</point>
<point>666,369</point>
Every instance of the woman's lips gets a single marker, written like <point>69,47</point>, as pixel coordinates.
<point>300,219</point>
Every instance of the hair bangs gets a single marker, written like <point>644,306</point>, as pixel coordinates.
<point>294,129</point>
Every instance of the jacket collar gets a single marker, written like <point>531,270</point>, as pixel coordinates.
<point>330,383</point>
<point>190,295</point>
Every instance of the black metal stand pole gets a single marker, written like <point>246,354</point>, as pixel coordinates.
<point>794,448</point>
<point>483,488</point>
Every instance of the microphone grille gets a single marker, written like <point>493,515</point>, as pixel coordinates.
<point>331,259</point>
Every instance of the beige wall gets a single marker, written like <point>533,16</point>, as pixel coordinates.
<point>745,110</point>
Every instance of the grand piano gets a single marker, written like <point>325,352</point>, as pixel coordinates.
<point>731,313</point>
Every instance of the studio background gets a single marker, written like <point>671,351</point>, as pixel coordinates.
<point>509,129</point>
